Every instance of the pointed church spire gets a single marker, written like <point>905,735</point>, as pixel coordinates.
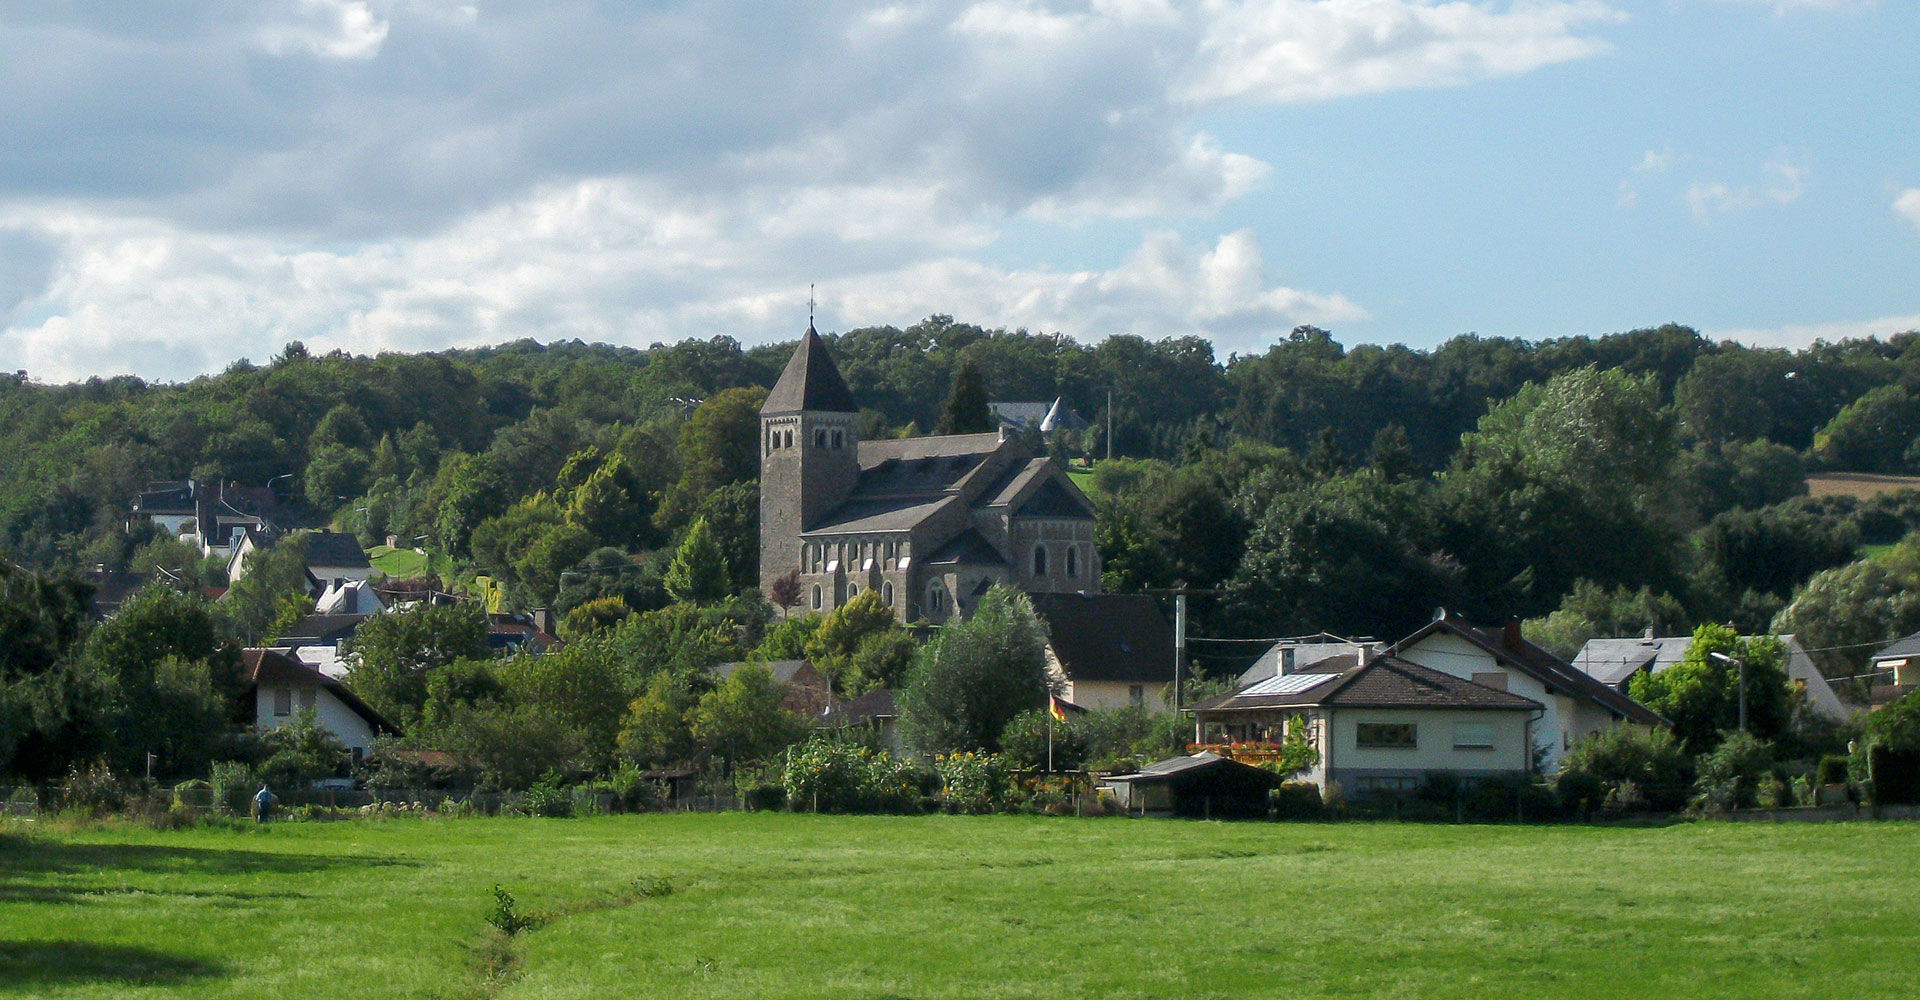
<point>811,381</point>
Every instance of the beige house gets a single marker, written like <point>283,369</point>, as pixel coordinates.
<point>277,686</point>
<point>1380,723</point>
<point>1107,650</point>
<point>1573,703</point>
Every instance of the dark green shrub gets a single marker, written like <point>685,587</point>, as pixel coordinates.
<point>1441,787</point>
<point>1296,800</point>
<point>1731,776</point>
<point>506,916</point>
<point>1650,759</point>
<point>96,789</point>
<point>766,798</point>
<point>1833,770</point>
<point>548,797</point>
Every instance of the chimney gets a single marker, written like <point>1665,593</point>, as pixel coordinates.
<point>1366,653</point>
<point>1512,635</point>
<point>1649,635</point>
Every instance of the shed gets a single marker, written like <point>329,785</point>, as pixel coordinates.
<point>1205,785</point>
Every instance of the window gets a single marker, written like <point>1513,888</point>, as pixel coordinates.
<point>1473,736</point>
<point>853,589</point>
<point>816,597</point>
<point>837,441</point>
<point>1387,735</point>
<point>1496,680</point>
<point>789,442</point>
<point>936,598</point>
<point>1137,694</point>
<point>1039,560</point>
<point>1073,560</point>
<point>886,593</point>
<point>283,701</point>
<point>819,437</point>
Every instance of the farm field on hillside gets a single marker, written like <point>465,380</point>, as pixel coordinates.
<point>773,905</point>
<point>1860,485</point>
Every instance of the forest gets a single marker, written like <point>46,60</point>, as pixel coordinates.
<point>1644,477</point>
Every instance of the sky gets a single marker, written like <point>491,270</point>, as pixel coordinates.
<point>189,183</point>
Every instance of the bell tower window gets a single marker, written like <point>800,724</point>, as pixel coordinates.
<point>1039,560</point>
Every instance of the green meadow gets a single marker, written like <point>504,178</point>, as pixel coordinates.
<point>776,905</point>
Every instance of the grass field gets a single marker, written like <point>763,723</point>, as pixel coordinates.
<point>771,905</point>
<point>1860,485</point>
<point>401,564</point>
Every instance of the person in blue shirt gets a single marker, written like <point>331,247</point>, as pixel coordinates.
<point>262,804</point>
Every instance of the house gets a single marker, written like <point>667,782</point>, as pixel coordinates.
<point>1574,703</point>
<point>335,558</point>
<point>277,685</point>
<point>210,515</point>
<point>877,712</point>
<point>511,634</point>
<point>927,523</point>
<point>1381,723</point>
<point>353,597</point>
<point>1203,786</point>
<point>1289,655</point>
<point>1043,417</point>
<point>1615,662</point>
<point>317,641</point>
<point>1902,660</point>
<point>806,689</point>
<point>1107,650</point>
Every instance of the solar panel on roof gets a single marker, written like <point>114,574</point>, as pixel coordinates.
<point>1289,683</point>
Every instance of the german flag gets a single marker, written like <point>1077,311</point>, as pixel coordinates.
<point>1053,709</point>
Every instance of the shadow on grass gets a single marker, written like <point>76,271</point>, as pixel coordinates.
<point>34,855</point>
<point>58,963</point>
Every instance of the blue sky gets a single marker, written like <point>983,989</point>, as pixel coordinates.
<point>191,183</point>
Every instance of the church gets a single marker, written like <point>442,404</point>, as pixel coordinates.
<point>929,523</point>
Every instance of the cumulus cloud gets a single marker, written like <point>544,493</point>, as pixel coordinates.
<point>1800,335</point>
<point>328,168</point>
<point>1783,7</point>
<point>1785,181</point>
<point>1907,205</point>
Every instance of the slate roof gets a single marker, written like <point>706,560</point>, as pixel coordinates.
<point>271,666</point>
<point>865,710</point>
<point>1108,637</point>
<point>1382,682</point>
<point>967,548</point>
<point>1019,414</point>
<point>874,453</point>
<point>1557,674</point>
<point>333,548</point>
<point>1052,500</point>
<point>1909,646</point>
<point>881,516</point>
<point>811,381</point>
<point>1612,661</point>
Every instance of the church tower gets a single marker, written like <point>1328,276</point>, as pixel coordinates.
<point>809,453</point>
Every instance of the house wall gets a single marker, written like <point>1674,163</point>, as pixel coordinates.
<point>328,575</point>
<point>344,723</point>
<point>174,523</point>
<point>1451,654</point>
<point>1103,695</point>
<point>1433,750</point>
<point>1057,536</point>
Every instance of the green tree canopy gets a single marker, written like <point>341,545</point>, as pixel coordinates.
<point>965,411</point>
<point>393,654</point>
<point>976,675</point>
<point>1700,695</point>
<point>698,573</point>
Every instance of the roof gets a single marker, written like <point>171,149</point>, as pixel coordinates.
<point>1612,661</point>
<point>1558,675</point>
<point>875,453</point>
<point>1019,414</point>
<point>811,381</point>
<point>865,710</point>
<point>885,516</point>
<point>320,628</point>
<point>1909,646</point>
<point>1053,500</point>
<point>1382,682</point>
<point>1291,655</point>
<point>1176,768</point>
<point>1108,637</point>
<point>968,548</point>
<point>271,666</point>
<point>784,671</point>
<point>333,548</point>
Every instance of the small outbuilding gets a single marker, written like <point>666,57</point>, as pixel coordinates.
<point>1203,786</point>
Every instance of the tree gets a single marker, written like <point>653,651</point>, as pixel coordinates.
<point>392,655</point>
<point>162,680</point>
<point>698,573</point>
<point>601,507</point>
<point>788,640</point>
<point>580,685</point>
<point>784,592</point>
<point>301,751</point>
<point>273,589</point>
<point>1875,433</point>
<point>971,680</point>
<point>1700,695</point>
<point>719,445</point>
<point>1593,612</point>
<point>1846,612</point>
<point>590,617</point>
<point>742,720</point>
<point>732,513</point>
<point>832,647</point>
<point>655,732</point>
<point>966,411</point>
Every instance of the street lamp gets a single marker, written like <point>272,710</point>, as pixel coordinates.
<point>1742,664</point>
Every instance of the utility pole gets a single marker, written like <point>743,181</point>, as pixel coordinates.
<point>1741,663</point>
<point>1179,644</point>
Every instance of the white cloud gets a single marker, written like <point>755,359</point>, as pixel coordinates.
<point>1795,336</point>
<point>1907,205</point>
<point>1784,7</point>
<point>1651,162</point>
<point>623,262</point>
<point>1786,181</point>
<point>708,158</point>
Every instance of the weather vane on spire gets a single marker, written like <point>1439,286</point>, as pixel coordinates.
<point>809,305</point>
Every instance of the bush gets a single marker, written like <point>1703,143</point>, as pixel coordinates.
<point>1732,775</point>
<point>1593,770</point>
<point>1025,742</point>
<point>232,783</point>
<point>1297,800</point>
<point>96,789</point>
<point>765,798</point>
<point>1833,770</point>
<point>548,797</point>
<point>833,776</point>
<point>973,782</point>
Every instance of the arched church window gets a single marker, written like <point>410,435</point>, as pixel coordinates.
<point>789,437</point>
<point>816,597</point>
<point>1039,560</point>
<point>819,437</point>
<point>886,593</point>
<point>1073,560</point>
<point>837,441</point>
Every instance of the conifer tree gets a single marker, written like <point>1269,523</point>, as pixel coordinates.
<point>698,573</point>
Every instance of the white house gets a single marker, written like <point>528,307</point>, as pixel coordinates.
<point>1614,662</point>
<point>1381,723</point>
<point>1573,703</point>
<point>1107,650</point>
<point>278,685</point>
